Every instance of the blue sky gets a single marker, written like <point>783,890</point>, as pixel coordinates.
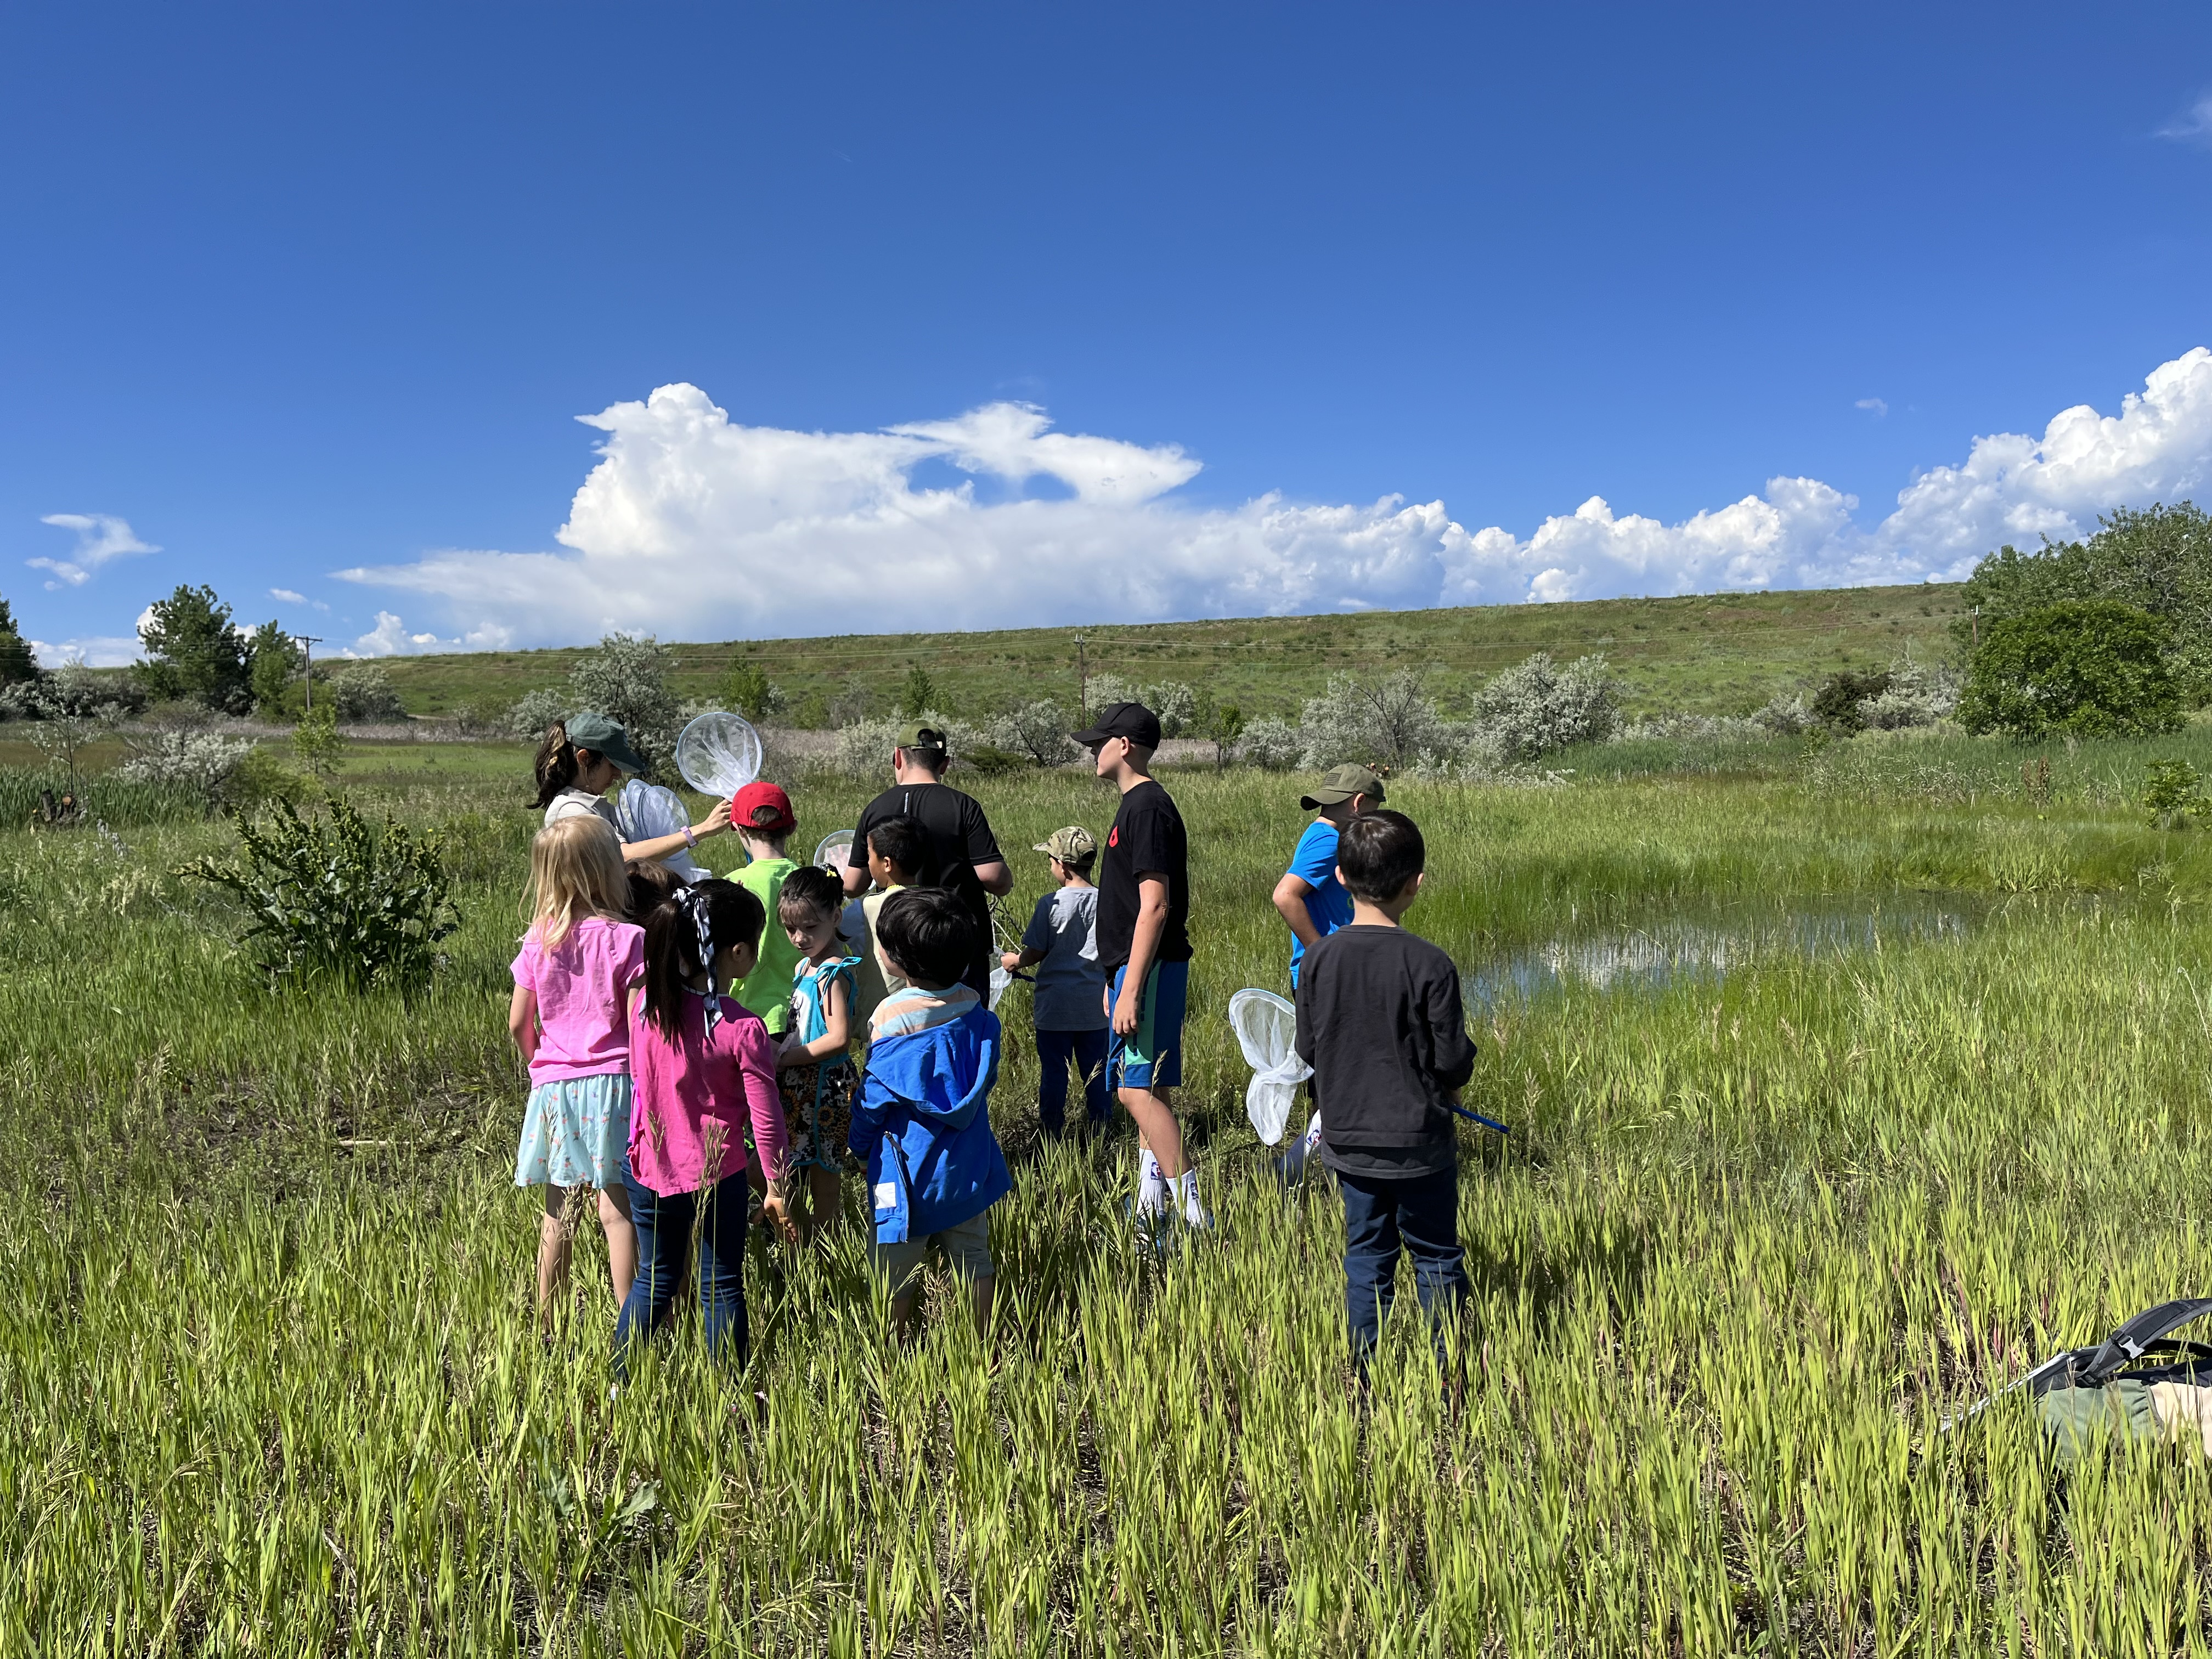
<point>296,291</point>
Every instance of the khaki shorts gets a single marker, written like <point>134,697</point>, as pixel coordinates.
<point>967,1252</point>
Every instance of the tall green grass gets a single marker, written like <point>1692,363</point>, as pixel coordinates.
<point>269,1380</point>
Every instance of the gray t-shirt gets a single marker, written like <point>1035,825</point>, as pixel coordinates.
<point>1071,987</point>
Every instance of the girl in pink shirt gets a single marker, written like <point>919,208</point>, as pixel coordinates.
<point>570,1019</point>
<point>704,1066</point>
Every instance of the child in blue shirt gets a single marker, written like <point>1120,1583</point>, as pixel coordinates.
<point>1310,898</point>
<point>1069,1002</point>
<point>922,1124</point>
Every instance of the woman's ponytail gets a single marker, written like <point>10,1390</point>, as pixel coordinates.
<point>556,763</point>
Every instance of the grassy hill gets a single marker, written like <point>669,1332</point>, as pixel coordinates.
<point>1724,653</point>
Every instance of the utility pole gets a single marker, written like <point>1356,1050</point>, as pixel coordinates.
<point>1082,683</point>
<point>1976,624</point>
<point>308,643</point>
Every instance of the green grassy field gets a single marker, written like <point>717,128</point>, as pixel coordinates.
<point>270,1382</point>
<point>1724,653</point>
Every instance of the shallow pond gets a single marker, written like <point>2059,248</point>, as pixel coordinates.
<point>1711,942</point>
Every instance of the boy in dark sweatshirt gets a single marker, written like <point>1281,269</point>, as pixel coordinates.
<point>1379,1021</point>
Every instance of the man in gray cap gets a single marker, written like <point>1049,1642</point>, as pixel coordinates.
<point>1312,900</point>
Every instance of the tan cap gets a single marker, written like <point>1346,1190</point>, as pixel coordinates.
<point>1070,846</point>
<point>1341,784</point>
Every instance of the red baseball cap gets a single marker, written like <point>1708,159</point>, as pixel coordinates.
<point>763,807</point>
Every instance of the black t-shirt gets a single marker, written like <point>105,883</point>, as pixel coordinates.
<point>1147,839</point>
<point>959,837</point>
<point>1381,1023</point>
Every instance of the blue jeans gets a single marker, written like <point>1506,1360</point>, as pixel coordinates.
<point>664,1247</point>
<point>1088,1050</point>
<point>1420,1212</point>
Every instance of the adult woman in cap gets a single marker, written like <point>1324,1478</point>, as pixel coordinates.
<point>584,756</point>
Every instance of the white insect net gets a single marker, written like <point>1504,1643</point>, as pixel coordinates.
<point>835,848</point>
<point>646,812</point>
<point>1266,1028</point>
<point>718,754</point>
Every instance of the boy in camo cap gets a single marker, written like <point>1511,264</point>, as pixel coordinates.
<point>1069,1002</point>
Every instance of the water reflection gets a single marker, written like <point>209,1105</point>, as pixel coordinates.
<point>1712,943</point>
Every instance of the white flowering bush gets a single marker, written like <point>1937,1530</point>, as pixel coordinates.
<point>363,695</point>
<point>1681,726</point>
<point>1786,715</point>
<point>533,711</point>
<point>201,761</point>
<point>1529,711</point>
<point>1270,743</point>
<point>1918,694</point>
<point>1386,723</point>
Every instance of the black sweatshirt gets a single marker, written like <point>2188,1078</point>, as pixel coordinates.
<point>1379,1021</point>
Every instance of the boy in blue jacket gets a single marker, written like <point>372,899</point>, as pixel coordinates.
<point>921,1125</point>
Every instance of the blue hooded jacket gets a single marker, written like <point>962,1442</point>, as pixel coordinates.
<point>921,1124</point>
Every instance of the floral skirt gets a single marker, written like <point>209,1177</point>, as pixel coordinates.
<point>818,1104</point>
<point>574,1133</point>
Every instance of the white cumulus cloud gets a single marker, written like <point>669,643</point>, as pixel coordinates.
<point>1876,407</point>
<point>693,526</point>
<point>95,651</point>
<point>99,537</point>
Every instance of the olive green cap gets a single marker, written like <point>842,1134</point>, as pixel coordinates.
<point>921,736</point>
<point>1341,784</point>
<point>602,736</point>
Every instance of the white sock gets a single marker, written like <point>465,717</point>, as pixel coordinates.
<point>1152,1185</point>
<point>1186,1182</point>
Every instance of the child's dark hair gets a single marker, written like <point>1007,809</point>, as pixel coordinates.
<point>927,933</point>
<point>1080,867</point>
<point>901,840</point>
<point>650,882</point>
<point>685,932</point>
<point>1378,854</point>
<point>558,764</point>
<point>810,887</point>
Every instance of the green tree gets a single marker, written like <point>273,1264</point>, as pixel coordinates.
<point>2158,559</point>
<point>2093,667</point>
<point>1220,724</point>
<point>316,742</point>
<point>193,654</point>
<point>918,694</point>
<point>750,692</point>
<point>16,662</point>
<point>272,658</point>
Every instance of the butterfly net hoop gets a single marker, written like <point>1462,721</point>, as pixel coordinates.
<point>835,848</point>
<point>1267,1029</point>
<point>718,754</point>
<point>646,811</point>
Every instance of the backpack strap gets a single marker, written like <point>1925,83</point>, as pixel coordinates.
<point>2137,1338</point>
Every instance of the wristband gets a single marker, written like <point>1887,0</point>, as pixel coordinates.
<point>690,839</point>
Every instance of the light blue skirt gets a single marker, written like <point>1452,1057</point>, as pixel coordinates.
<point>575,1132</point>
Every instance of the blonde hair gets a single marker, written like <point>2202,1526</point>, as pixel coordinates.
<point>575,872</point>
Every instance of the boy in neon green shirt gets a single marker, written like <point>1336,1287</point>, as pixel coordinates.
<point>761,814</point>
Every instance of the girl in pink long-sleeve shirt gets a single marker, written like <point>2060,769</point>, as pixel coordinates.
<point>702,1066</point>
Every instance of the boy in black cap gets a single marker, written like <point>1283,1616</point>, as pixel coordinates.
<point>1144,946</point>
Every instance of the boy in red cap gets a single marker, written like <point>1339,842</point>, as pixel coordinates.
<point>761,814</point>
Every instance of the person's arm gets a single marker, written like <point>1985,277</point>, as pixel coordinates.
<point>1144,945</point>
<point>1290,896</point>
<point>771,1132</point>
<point>870,1107</point>
<point>1037,941</point>
<point>1453,1048</point>
<point>661,847</point>
<point>522,1022</point>
<point>1014,961</point>
<point>984,857</point>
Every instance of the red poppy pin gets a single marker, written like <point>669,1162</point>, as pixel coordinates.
<point>1114,836</point>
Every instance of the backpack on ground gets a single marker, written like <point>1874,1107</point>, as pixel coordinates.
<point>2141,1382</point>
